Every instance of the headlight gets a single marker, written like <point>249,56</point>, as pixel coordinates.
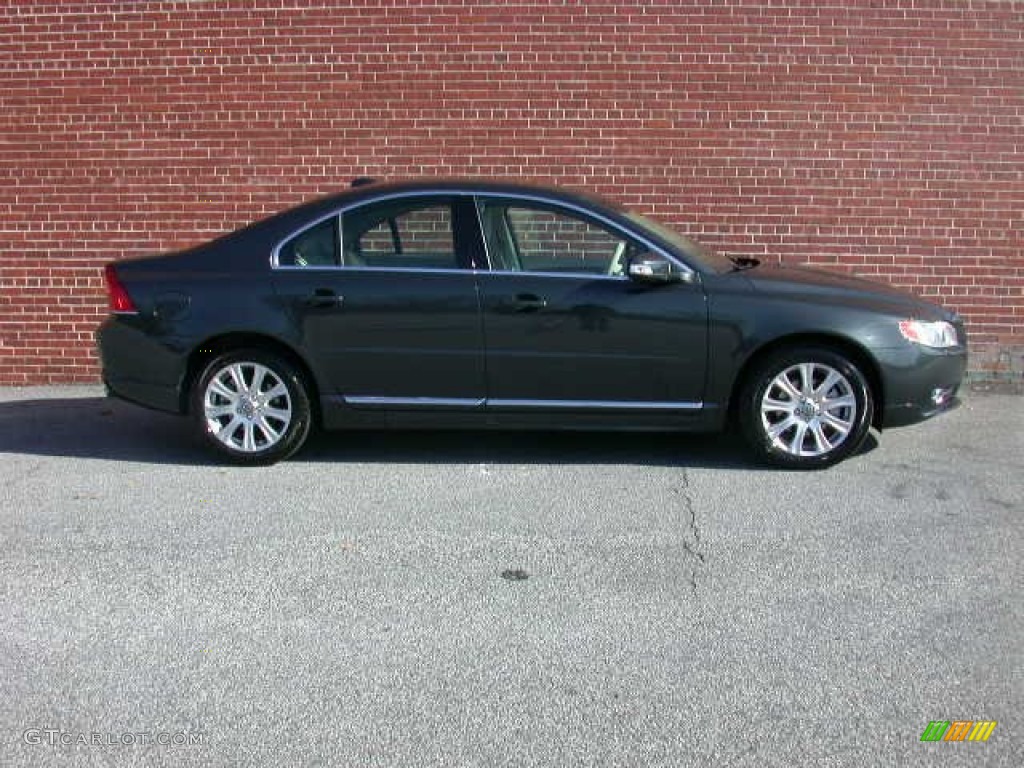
<point>938,334</point>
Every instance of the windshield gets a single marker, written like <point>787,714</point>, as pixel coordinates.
<point>700,253</point>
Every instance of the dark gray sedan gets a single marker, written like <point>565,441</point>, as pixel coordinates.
<point>441,304</point>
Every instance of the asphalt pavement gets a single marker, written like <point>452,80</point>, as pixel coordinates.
<point>498,599</point>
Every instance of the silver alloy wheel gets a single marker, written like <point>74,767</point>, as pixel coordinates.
<point>808,409</point>
<point>247,407</point>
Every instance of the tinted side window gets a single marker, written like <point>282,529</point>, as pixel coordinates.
<point>315,247</point>
<point>400,235</point>
<point>535,239</point>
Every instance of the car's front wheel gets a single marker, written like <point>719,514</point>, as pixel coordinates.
<point>252,407</point>
<point>806,408</point>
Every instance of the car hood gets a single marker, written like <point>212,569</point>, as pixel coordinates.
<point>841,289</point>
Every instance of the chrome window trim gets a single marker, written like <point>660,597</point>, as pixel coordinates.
<point>364,268</point>
<point>477,197</point>
<point>563,275</point>
<point>457,271</point>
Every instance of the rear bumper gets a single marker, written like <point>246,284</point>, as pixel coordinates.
<point>137,368</point>
<point>919,383</point>
<point>143,393</point>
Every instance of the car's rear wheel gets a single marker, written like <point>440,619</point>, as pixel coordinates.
<point>806,408</point>
<point>252,407</point>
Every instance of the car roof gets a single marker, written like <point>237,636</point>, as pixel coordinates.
<point>367,189</point>
<point>470,186</point>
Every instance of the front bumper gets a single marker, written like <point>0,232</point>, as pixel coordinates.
<point>918,383</point>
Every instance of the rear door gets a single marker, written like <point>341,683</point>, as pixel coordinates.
<point>384,304</point>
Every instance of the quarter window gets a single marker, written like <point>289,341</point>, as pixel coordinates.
<point>314,247</point>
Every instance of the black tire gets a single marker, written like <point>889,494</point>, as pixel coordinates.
<point>805,408</point>
<point>263,422</point>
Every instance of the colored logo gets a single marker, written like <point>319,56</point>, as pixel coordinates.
<point>958,730</point>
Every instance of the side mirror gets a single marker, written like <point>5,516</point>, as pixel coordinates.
<point>654,271</point>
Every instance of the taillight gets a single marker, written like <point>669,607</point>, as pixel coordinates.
<point>120,301</point>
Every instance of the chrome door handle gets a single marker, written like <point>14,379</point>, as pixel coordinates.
<point>526,302</point>
<point>324,297</point>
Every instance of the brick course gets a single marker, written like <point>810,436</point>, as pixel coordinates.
<point>881,137</point>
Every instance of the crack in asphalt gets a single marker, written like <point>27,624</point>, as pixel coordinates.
<point>691,535</point>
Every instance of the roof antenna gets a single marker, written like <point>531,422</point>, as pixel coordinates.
<point>362,181</point>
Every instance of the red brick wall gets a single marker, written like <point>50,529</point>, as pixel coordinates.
<point>883,137</point>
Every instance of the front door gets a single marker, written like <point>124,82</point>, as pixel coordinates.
<point>565,328</point>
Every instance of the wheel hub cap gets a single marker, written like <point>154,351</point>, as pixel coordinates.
<point>808,409</point>
<point>247,407</point>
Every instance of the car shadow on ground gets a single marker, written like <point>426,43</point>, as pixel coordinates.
<point>109,429</point>
<point>96,428</point>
